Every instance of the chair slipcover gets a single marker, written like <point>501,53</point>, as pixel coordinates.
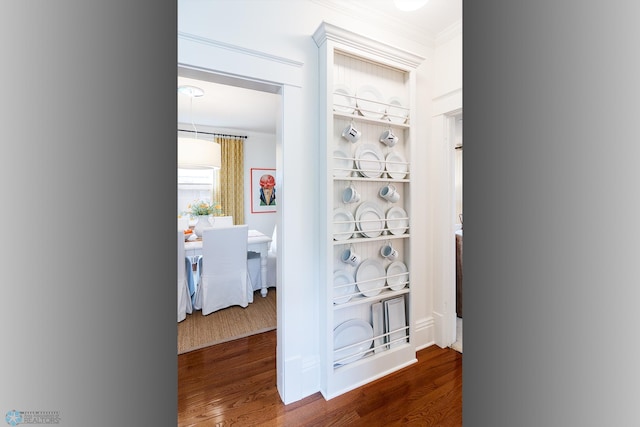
<point>224,279</point>
<point>184,299</point>
<point>255,267</point>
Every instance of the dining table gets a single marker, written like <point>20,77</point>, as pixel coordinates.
<point>257,242</point>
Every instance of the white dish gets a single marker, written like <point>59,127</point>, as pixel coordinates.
<point>342,164</point>
<point>343,224</point>
<point>343,286</point>
<point>369,160</point>
<point>397,221</point>
<point>343,99</point>
<point>369,219</point>
<point>396,112</point>
<point>356,333</point>
<point>396,165</point>
<point>370,277</point>
<point>397,275</point>
<point>395,320</point>
<point>369,102</point>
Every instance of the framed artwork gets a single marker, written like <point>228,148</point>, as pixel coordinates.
<point>263,190</point>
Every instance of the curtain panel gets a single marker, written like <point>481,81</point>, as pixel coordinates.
<point>232,177</point>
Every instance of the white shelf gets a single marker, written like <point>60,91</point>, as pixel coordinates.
<point>352,62</point>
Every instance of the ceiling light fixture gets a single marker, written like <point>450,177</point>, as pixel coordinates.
<point>194,153</point>
<point>410,5</point>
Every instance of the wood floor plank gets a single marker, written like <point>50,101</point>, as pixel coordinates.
<point>234,384</point>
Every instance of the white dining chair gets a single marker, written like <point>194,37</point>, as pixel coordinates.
<point>184,299</point>
<point>224,280</point>
<point>255,267</point>
<point>222,221</point>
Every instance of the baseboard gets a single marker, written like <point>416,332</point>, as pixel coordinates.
<point>423,333</point>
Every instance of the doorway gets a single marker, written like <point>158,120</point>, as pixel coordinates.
<point>458,221</point>
<point>225,109</point>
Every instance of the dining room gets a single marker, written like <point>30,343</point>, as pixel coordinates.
<point>226,176</point>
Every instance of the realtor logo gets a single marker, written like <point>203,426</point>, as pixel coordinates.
<point>13,418</point>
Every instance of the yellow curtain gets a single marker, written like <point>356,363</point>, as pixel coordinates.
<point>232,177</point>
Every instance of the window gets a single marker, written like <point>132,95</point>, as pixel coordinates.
<point>197,184</point>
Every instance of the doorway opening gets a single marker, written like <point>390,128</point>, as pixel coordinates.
<point>458,221</point>
<point>241,322</point>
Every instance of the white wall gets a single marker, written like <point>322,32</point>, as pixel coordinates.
<point>262,41</point>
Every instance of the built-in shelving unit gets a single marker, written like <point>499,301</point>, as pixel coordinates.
<point>365,312</point>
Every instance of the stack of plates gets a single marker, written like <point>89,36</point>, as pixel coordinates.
<point>369,102</point>
<point>343,286</point>
<point>370,219</point>
<point>351,340</point>
<point>396,165</point>
<point>343,100</point>
<point>397,275</point>
<point>370,277</point>
<point>397,220</point>
<point>369,160</point>
<point>343,224</point>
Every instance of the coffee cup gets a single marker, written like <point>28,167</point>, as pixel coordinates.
<point>350,195</point>
<point>390,193</point>
<point>389,252</point>
<point>350,133</point>
<point>349,256</point>
<point>388,138</point>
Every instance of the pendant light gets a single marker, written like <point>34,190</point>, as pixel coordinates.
<point>194,153</point>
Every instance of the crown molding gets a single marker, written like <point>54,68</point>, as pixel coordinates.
<point>449,33</point>
<point>327,31</point>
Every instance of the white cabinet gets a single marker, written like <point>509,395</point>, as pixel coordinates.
<point>367,89</point>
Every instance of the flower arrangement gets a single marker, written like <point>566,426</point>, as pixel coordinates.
<point>203,207</point>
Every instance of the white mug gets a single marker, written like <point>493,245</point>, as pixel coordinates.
<point>388,138</point>
<point>389,252</point>
<point>350,133</point>
<point>349,256</point>
<point>390,193</point>
<point>350,195</point>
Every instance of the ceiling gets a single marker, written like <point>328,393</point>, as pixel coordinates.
<point>230,107</point>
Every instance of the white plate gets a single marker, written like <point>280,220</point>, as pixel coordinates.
<point>370,277</point>
<point>396,113</point>
<point>343,230</point>
<point>370,219</point>
<point>369,160</point>
<point>349,333</point>
<point>396,165</point>
<point>397,275</point>
<point>341,166</point>
<point>369,102</point>
<point>341,292</point>
<point>343,100</point>
<point>395,319</point>
<point>397,220</point>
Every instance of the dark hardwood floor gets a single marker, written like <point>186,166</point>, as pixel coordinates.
<point>234,384</point>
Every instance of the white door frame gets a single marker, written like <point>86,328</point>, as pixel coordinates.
<point>255,70</point>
